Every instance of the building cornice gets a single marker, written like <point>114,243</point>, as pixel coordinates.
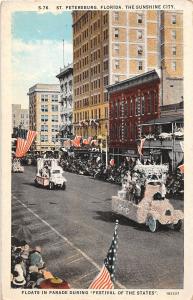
<point>134,81</point>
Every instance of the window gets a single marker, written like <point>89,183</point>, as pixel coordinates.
<point>54,98</point>
<point>44,98</point>
<point>116,16</point>
<point>139,50</point>
<point>174,34</point>
<point>174,50</point>
<point>139,19</point>
<point>54,118</point>
<point>44,128</point>
<point>149,103</point>
<point>116,64</point>
<point>116,49</point>
<point>105,97</point>
<point>106,113</point>
<point>99,113</point>
<point>173,19</point>
<point>44,118</point>
<point>106,80</point>
<point>54,107</point>
<point>140,65</point>
<point>174,65</point>
<point>54,139</point>
<point>136,106</point>
<point>131,106</point>
<point>116,33</point>
<point>44,108</point>
<point>44,138</point>
<point>54,128</point>
<point>142,105</point>
<point>139,34</point>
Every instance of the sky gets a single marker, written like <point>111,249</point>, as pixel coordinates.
<point>37,50</point>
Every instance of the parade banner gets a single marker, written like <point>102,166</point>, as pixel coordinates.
<point>57,217</point>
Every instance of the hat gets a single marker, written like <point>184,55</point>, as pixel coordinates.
<point>19,279</point>
<point>33,269</point>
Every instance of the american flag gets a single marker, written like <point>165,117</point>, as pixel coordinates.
<point>24,140</point>
<point>106,277</point>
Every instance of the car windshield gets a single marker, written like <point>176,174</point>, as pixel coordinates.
<point>56,172</point>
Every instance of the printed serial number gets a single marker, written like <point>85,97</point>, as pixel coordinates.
<point>172,293</point>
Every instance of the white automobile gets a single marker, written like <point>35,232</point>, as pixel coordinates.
<point>50,174</point>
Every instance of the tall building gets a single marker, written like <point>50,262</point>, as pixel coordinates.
<point>20,117</point>
<point>171,32</point>
<point>109,47</point>
<point>66,101</point>
<point>44,115</point>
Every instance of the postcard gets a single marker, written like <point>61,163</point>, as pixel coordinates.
<point>96,123</point>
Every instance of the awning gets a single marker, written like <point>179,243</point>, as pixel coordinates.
<point>165,120</point>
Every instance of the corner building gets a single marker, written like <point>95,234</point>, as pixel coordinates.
<point>109,47</point>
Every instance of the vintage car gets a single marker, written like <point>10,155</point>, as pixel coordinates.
<point>49,174</point>
<point>142,199</point>
<point>16,166</point>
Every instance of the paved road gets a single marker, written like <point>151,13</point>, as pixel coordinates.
<point>75,228</point>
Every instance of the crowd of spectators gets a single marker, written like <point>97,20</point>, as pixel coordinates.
<point>28,269</point>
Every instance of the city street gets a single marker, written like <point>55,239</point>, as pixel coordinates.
<point>75,229</point>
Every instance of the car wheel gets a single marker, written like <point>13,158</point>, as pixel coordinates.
<point>64,186</point>
<point>177,226</point>
<point>152,224</point>
<point>51,185</point>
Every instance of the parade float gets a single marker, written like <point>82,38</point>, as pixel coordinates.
<point>49,174</point>
<point>16,166</point>
<point>142,198</point>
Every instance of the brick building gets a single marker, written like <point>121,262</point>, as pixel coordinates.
<point>132,102</point>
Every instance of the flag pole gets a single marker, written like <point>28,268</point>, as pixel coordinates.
<point>63,52</point>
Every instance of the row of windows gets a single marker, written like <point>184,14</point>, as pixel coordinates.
<point>80,77</point>
<point>81,103</point>
<point>135,105</point>
<point>139,17</point>
<point>95,55</point>
<point>95,70</point>
<point>83,21</point>
<point>81,90</point>
<point>45,128</point>
<point>95,99</point>
<point>54,118</point>
<point>95,26</point>
<point>96,84</point>
<point>22,116</point>
<point>44,98</point>
<point>124,131</point>
<point>44,138</point>
<point>44,108</point>
<point>95,41</point>
<point>94,114</point>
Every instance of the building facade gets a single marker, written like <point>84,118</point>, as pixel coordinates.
<point>171,32</point>
<point>66,102</point>
<point>132,102</point>
<point>44,115</point>
<point>20,117</point>
<point>109,47</point>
